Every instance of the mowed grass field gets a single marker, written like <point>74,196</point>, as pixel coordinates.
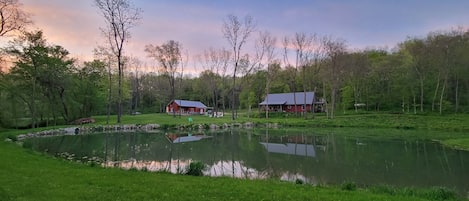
<point>28,175</point>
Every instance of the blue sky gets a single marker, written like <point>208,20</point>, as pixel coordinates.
<point>197,24</point>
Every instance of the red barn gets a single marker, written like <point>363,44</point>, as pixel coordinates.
<point>291,102</point>
<point>185,107</point>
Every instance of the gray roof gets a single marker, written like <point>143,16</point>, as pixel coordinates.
<point>186,103</point>
<point>290,148</point>
<point>288,99</point>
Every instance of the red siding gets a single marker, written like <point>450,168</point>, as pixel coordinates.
<point>174,108</point>
<point>297,108</point>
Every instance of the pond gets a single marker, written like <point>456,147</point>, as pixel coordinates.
<point>328,158</point>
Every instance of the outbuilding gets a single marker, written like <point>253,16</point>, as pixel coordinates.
<point>291,102</point>
<point>185,107</point>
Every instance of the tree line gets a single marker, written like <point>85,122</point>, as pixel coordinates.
<point>46,86</point>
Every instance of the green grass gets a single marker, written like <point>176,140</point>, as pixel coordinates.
<point>462,143</point>
<point>457,122</point>
<point>440,127</point>
<point>27,175</point>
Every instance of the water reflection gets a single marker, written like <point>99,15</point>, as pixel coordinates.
<point>286,155</point>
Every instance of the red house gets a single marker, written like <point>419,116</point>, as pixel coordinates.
<point>185,107</point>
<point>291,102</point>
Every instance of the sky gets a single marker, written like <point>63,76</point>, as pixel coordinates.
<point>197,24</point>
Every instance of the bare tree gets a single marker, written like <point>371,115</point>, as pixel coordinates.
<point>302,45</point>
<point>120,16</point>
<point>104,54</point>
<point>215,62</point>
<point>169,57</point>
<point>136,64</point>
<point>12,18</point>
<point>267,43</point>
<point>236,33</point>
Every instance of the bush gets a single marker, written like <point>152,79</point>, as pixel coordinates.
<point>196,168</point>
<point>348,186</point>
<point>12,138</point>
<point>299,181</point>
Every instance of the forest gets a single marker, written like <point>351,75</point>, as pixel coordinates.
<point>41,84</point>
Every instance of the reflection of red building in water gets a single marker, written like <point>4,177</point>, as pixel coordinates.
<point>185,107</point>
<point>180,138</point>
<point>299,145</point>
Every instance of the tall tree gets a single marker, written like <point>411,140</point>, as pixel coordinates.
<point>105,54</point>
<point>91,87</point>
<point>43,73</point>
<point>335,50</point>
<point>417,49</point>
<point>237,32</point>
<point>267,43</point>
<point>303,45</point>
<point>214,62</point>
<point>168,55</point>
<point>120,16</point>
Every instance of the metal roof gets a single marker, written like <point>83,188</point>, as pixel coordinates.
<point>186,103</point>
<point>290,148</point>
<point>288,98</point>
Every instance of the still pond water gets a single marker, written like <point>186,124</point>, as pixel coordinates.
<point>287,155</point>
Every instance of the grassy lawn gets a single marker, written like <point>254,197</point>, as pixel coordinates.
<point>27,175</point>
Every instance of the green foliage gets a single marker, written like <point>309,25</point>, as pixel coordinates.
<point>299,181</point>
<point>12,137</point>
<point>196,168</point>
<point>348,186</point>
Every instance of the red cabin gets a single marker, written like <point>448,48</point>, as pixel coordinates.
<point>185,107</point>
<point>291,102</point>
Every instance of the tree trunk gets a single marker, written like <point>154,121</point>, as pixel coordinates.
<point>332,108</point>
<point>436,93</point>
<point>109,98</point>
<point>64,105</point>
<point>119,90</point>
<point>456,98</point>
<point>233,93</point>
<point>421,95</point>
<point>442,94</point>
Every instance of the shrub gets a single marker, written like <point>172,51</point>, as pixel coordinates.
<point>12,138</point>
<point>299,181</point>
<point>348,186</point>
<point>196,168</point>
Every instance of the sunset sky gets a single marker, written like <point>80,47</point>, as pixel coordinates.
<point>74,24</point>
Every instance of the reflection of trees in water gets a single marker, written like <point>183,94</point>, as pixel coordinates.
<point>240,153</point>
